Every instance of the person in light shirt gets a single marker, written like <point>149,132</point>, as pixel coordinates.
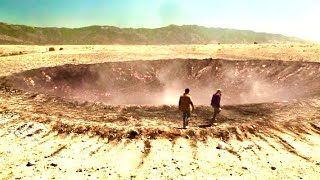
<point>186,107</point>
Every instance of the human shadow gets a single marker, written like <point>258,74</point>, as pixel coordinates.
<point>204,125</point>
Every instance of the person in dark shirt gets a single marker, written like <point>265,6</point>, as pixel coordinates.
<point>215,103</point>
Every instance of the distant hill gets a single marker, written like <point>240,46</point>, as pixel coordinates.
<point>186,34</point>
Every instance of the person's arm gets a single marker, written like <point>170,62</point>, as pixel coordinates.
<point>212,100</point>
<point>218,100</point>
<point>180,103</point>
<point>192,105</point>
<point>191,102</point>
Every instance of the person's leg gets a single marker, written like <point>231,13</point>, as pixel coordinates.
<point>184,117</point>
<point>188,114</point>
<point>215,113</point>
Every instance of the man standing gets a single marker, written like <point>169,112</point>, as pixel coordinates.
<point>215,103</point>
<point>186,106</point>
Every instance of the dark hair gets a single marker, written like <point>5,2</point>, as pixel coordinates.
<point>187,90</point>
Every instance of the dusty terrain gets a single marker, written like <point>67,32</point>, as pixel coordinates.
<point>53,128</point>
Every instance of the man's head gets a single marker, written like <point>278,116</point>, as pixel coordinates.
<point>187,91</point>
<point>218,91</point>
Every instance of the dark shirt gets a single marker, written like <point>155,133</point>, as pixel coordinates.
<point>215,101</point>
<point>185,103</point>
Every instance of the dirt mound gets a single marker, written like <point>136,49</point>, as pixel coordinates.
<point>162,81</point>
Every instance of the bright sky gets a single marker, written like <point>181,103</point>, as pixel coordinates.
<point>298,18</point>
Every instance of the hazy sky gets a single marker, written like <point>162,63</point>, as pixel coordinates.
<point>290,17</point>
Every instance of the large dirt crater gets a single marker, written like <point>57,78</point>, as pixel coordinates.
<point>162,81</point>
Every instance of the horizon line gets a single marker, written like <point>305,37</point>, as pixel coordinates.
<point>122,27</point>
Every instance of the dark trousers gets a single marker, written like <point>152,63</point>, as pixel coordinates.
<point>216,111</point>
<point>186,117</point>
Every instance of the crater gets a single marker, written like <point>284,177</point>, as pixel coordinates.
<point>161,82</point>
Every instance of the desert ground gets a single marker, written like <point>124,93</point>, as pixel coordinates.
<point>110,112</point>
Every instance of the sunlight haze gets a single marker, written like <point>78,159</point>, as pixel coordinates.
<point>289,17</point>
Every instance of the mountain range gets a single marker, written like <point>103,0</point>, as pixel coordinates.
<point>172,34</point>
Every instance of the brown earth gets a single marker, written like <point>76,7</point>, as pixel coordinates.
<point>47,135</point>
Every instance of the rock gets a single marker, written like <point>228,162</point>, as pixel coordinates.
<point>238,131</point>
<point>132,134</point>
<point>273,168</point>
<point>79,170</point>
<point>51,49</point>
<point>245,168</point>
<point>30,164</point>
<point>248,146</point>
<point>54,164</point>
<point>222,145</point>
<point>61,49</point>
